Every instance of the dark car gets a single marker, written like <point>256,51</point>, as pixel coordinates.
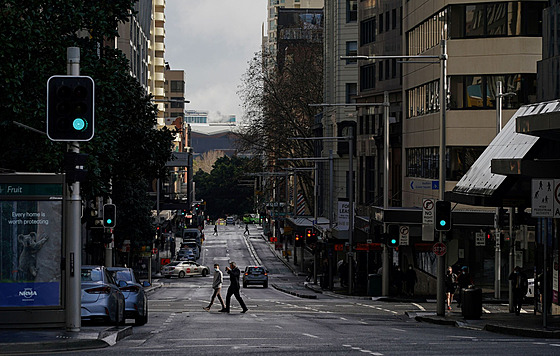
<point>193,234</point>
<point>102,298</point>
<point>255,275</point>
<point>136,301</point>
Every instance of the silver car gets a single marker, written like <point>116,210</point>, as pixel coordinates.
<point>136,302</point>
<point>101,297</point>
<point>181,269</point>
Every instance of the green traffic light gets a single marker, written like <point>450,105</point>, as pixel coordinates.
<point>393,241</point>
<point>442,222</point>
<point>109,221</point>
<point>79,124</point>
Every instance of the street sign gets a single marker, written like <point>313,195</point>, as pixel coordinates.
<point>439,249</point>
<point>403,235</point>
<point>480,241</point>
<point>428,211</point>
<point>424,184</point>
<point>557,198</point>
<point>542,198</point>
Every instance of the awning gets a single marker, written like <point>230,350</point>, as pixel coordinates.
<point>481,187</point>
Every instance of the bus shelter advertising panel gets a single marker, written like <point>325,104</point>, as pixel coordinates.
<point>31,228</point>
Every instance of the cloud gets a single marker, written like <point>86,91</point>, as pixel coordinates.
<point>212,40</point>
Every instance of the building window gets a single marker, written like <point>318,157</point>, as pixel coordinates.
<point>177,86</point>
<point>423,99</point>
<point>394,18</point>
<point>367,77</point>
<point>351,10</point>
<point>423,162</point>
<point>380,71</point>
<point>381,23</point>
<point>387,24</point>
<point>387,69</point>
<point>177,103</point>
<point>394,68</point>
<point>367,31</point>
<point>351,50</point>
<point>351,92</point>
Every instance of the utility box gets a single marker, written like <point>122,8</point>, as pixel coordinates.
<point>471,299</point>
<point>374,285</point>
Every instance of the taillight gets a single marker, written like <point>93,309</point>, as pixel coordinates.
<point>266,274</point>
<point>246,274</point>
<point>99,290</point>
<point>133,289</point>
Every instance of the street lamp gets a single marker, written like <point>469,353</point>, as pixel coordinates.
<point>442,58</point>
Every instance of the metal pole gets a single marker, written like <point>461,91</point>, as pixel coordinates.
<point>442,171</point>
<point>331,217</point>
<point>511,254</point>
<point>351,210</point>
<point>315,213</point>
<point>73,231</point>
<point>497,247</point>
<point>544,234</point>
<point>385,263</point>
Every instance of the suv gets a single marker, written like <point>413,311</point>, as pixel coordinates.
<point>255,275</point>
<point>194,234</point>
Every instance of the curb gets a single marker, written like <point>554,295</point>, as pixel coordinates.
<point>503,329</point>
<point>297,294</point>
<point>105,338</point>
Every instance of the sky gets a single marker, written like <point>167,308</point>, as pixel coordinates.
<point>212,41</point>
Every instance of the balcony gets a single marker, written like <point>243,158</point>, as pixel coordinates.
<point>159,16</point>
<point>159,31</point>
<point>159,3</point>
<point>159,77</point>
<point>159,46</point>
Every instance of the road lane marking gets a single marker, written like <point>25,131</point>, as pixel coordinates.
<point>401,330</point>
<point>313,336</point>
<point>486,311</point>
<point>419,306</point>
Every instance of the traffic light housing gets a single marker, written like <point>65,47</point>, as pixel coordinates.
<point>310,236</point>
<point>443,215</point>
<point>298,240</point>
<point>109,215</point>
<point>392,236</point>
<point>70,108</point>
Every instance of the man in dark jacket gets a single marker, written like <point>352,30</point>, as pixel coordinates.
<point>519,286</point>
<point>233,288</point>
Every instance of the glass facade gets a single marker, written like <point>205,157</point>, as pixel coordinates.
<point>423,162</point>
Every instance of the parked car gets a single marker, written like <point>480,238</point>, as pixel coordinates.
<point>186,254</point>
<point>102,298</point>
<point>230,220</point>
<point>136,301</point>
<point>191,244</point>
<point>181,269</point>
<point>255,275</point>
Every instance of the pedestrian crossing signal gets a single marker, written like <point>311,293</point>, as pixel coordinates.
<point>109,215</point>
<point>443,215</point>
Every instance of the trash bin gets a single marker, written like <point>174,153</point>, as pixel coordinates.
<point>471,299</point>
<point>374,285</point>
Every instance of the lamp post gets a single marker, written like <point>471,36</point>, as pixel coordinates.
<point>442,58</point>
<point>498,250</point>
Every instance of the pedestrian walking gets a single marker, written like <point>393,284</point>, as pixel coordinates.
<point>246,229</point>
<point>233,288</point>
<point>519,286</point>
<point>464,281</point>
<point>217,286</point>
<point>410,279</point>
<point>450,286</point>
<point>215,229</point>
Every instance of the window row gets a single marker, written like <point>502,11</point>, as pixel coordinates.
<point>513,18</point>
<point>388,20</point>
<point>428,34</point>
<point>367,31</point>
<point>423,99</point>
<point>423,162</point>
<point>351,10</point>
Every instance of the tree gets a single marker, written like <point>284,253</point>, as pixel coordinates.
<point>276,106</point>
<point>127,151</point>
<point>221,188</point>
<point>206,161</point>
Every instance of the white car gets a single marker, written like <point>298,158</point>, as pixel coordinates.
<point>182,269</point>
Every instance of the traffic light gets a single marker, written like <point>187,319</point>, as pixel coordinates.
<point>443,215</point>
<point>393,236</point>
<point>109,215</point>
<point>158,231</point>
<point>310,236</point>
<point>298,240</point>
<point>70,108</point>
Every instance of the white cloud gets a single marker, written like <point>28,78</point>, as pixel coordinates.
<point>212,40</point>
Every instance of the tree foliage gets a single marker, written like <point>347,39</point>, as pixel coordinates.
<point>276,106</point>
<point>127,151</point>
<point>223,188</point>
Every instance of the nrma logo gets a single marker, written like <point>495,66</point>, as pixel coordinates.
<point>28,293</point>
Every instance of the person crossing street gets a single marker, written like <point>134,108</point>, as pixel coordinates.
<point>233,288</point>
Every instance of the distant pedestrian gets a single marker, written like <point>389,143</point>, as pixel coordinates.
<point>233,288</point>
<point>343,273</point>
<point>464,281</point>
<point>519,286</point>
<point>216,229</point>
<point>217,286</point>
<point>410,279</point>
<point>398,277</point>
<point>246,229</point>
<point>450,286</point>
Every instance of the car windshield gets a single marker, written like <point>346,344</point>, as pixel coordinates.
<point>91,275</point>
<point>256,270</point>
<point>122,276</point>
<point>191,234</point>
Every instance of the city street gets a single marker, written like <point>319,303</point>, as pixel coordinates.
<point>281,323</point>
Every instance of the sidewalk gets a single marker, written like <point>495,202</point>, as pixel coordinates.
<point>526,324</point>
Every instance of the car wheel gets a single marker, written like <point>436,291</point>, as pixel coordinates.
<point>141,319</point>
<point>265,285</point>
<point>181,274</point>
<point>204,273</point>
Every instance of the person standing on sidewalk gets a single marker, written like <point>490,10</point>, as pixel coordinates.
<point>450,285</point>
<point>233,288</point>
<point>519,286</point>
<point>217,286</point>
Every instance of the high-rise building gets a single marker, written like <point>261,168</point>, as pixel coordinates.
<point>156,64</point>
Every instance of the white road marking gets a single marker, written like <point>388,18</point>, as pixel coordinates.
<point>419,306</point>
<point>401,330</point>
<point>486,311</point>
<point>462,337</point>
<point>313,336</point>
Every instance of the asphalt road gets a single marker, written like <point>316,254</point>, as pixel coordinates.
<point>279,323</point>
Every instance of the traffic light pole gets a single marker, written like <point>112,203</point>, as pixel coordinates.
<point>72,225</point>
